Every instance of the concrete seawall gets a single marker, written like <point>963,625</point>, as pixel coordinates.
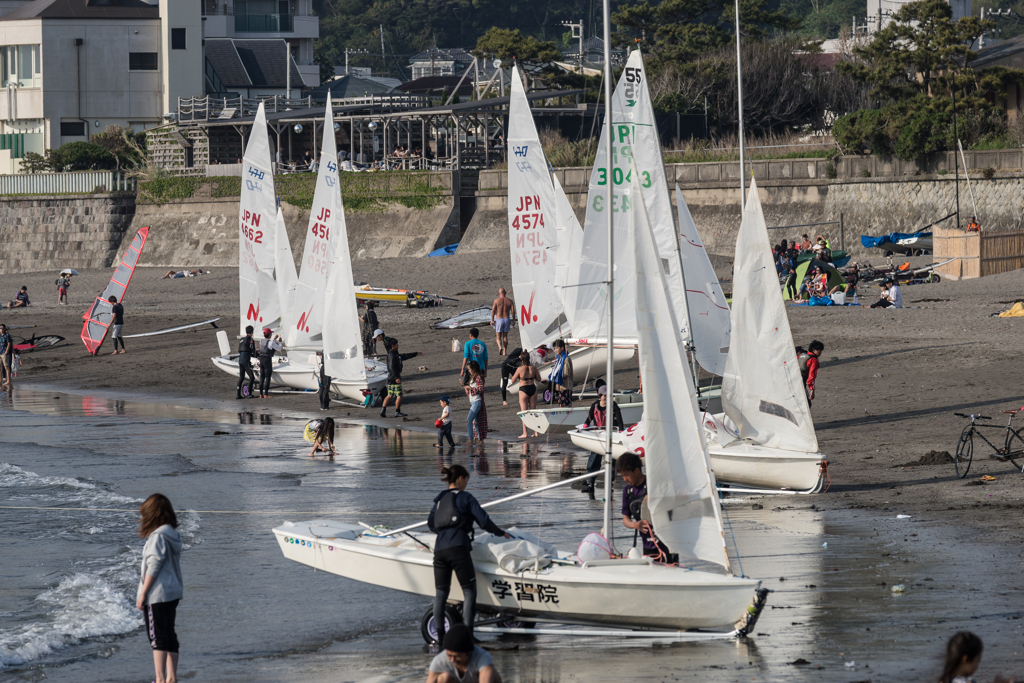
<point>869,206</point>
<point>203,233</point>
<point>62,231</point>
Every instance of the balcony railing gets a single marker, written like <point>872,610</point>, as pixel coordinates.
<point>264,23</point>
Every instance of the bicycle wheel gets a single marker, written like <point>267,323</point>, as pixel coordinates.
<point>965,451</point>
<point>1014,451</point>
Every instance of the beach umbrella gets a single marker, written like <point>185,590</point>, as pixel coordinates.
<point>69,271</point>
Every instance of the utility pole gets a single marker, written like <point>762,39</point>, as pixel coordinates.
<point>287,71</point>
<point>353,51</point>
<point>577,32</point>
<point>739,95</point>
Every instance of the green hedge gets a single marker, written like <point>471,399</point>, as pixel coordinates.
<point>373,192</point>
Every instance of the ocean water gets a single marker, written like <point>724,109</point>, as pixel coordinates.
<point>68,576</point>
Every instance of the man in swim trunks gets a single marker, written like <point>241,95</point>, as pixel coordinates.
<point>501,320</point>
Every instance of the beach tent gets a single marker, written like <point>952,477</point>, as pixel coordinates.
<point>834,276</point>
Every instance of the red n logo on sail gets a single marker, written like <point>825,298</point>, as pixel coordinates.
<point>303,319</point>
<point>254,312</point>
<point>526,314</point>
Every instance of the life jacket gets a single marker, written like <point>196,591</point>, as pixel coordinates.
<point>804,359</point>
<point>244,350</point>
<point>636,501</point>
<point>447,514</point>
<point>265,349</point>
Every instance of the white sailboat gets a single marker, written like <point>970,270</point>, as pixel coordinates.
<point>762,389</point>
<point>544,234</point>
<point>307,306</point>
<point>258,296</point>
<point>634,594</point>
<point>765,440</point>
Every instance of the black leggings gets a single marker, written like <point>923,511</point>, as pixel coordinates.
<point>243,369</point>
<point>446,561</point>
<point>160,625</point>
<point>119,340</point>
<point>791,286</point>
<point>266,371</point>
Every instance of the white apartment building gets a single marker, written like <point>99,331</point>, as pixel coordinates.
<point>70,68</point>
<point>250,20</point>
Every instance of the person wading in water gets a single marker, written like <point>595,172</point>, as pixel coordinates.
<point>452,519</point>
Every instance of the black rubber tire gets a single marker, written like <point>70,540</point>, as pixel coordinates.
<point>935,278</point>
<point>1015,450</point>
<point>964,452</point>
<point>427,629</point>
<point>511,621</point>
<point>248,388</point>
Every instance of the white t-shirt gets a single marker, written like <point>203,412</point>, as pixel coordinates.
<point>478,659</point>
<point>895,296</point>
<point>446,415</point>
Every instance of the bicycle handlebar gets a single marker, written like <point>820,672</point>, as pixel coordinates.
<point>973,417</point>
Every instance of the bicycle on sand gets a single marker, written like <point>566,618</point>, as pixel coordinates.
<point>1012,449</point>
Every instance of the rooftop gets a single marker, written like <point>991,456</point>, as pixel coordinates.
<point>84,9</point>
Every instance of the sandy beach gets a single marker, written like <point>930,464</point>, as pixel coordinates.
<point>889,383</point>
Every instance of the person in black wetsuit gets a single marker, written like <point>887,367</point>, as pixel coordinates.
<point>370,325</point>
<point>508,368</point>
<point>452,519</point>
<point>117,310</point>
<point>246,350</point>
<point>268,346</point>
<point>597,418</point>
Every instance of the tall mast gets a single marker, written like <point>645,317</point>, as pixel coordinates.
<point>739,92</point>
<point>610,371</point>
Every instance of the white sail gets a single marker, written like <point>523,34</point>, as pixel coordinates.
<point>284,267</point>
<point>635,140</point>
<point>531,227</point>
<point>305,320</point>
<point>709,310</point>
<point>569,234</point>
<point>680,486</point>
<point>342,343</point>
<point>762,390</point>
<point>258,300</point>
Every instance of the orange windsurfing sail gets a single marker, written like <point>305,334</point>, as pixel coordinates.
<point>98,317</point>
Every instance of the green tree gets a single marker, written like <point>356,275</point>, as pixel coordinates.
<point>507,45</point>
<point>33,162</point>
<point>915,67</point>
<point>682,30</point>
<point>126,147</point>
<point>80,156</point>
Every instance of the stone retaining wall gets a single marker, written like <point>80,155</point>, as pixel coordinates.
<point>62,231</point>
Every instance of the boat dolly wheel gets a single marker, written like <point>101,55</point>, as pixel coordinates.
<point>452,614</point>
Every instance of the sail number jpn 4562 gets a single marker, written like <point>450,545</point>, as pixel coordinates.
<point>529,217</point>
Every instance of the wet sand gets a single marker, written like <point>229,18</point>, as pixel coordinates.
<point>888,385</point>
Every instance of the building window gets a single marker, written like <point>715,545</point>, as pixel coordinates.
<point>177,39</point>
<point>20,65</point>
<point>72,129</point>
<point>142,61</point>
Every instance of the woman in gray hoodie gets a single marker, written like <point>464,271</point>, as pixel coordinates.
<point>160,586</point>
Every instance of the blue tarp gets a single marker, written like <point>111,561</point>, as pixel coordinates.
<point>891,238</point>
<point>445,251</point>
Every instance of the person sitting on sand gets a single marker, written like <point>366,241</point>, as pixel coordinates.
<point>20,299</point>
<point>892,297</point>
<point>317,432</point>
<point>462,660</point>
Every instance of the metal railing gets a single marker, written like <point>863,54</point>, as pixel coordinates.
<point>212,107</point>
<point>76,182</point>
<point>264,23</point>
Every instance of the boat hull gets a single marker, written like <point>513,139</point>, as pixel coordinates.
<point>291,374</point>
<point>636,595</point>
<point>561,420</point>
<point>739,463</point>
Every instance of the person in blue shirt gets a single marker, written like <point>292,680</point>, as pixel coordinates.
<point>472,350</point>
<point>452,519</point>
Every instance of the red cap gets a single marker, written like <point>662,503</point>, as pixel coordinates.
<point>267,331</point>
